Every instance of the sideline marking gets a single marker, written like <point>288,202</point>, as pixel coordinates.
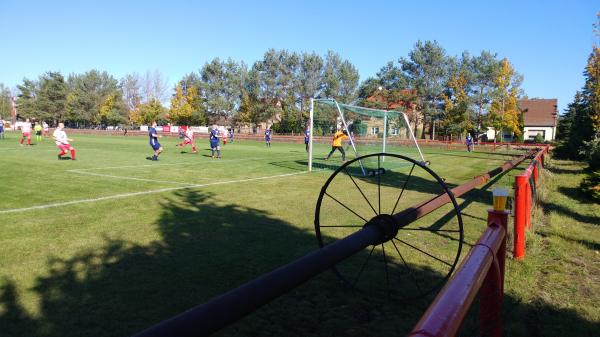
<point>126,195</point>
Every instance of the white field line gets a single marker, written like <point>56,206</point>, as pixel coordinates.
<point>133,194</point>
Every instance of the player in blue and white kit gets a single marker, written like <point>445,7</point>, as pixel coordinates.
<point>306,137</point>
<point>231,134</point>
<point>154,142</point>
<point>268,137</point>
<point>215,135</point>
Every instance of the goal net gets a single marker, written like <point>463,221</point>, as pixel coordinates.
<point>365,131</point>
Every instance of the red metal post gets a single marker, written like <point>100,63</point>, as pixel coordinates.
<point>527,203</point>
<point>492,289</point>
<point>521,191</point>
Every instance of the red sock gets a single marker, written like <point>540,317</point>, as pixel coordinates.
<point>21,141</point>
<point>28,141</point>
<point>73,154</point>
<point>193,148</point>
<point>61,153</point>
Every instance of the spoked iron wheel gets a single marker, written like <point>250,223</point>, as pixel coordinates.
<point>415,260</point>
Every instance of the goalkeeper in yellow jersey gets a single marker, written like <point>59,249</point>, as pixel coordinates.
<point>336,143</point>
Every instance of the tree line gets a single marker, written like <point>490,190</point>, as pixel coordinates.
<point>457,94</point>
<point>578,129</point>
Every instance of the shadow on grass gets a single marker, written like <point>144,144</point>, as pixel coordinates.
<point>566,211</point>
<point>206,248</point>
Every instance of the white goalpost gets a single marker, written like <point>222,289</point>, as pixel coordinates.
<point>368,130</point>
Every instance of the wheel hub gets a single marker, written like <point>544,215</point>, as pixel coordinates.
<point>386,224</point>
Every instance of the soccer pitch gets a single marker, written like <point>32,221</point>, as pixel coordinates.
<point>112,243</point>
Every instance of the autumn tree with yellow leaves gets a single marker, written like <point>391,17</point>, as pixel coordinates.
<point>504,114</point>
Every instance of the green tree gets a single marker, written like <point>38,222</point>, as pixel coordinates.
<point>51,99</point>
<point>426,69</point>
<point>88,92</point>
<point>485,69</point>
<point>111,111</point>
<point>149,112</point>
<point>340,79</point>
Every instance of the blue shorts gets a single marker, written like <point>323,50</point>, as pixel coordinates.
<point>268,139</point>
<point>155,146</point>
<point>214,143</point>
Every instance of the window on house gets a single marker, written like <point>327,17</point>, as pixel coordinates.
<point>531,134</point>
<point>394,131</point>
<point>374,130</point>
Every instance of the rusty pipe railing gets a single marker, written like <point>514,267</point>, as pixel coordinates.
<point>482,271</point>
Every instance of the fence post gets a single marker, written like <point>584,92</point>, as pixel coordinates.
<point>492,289</point>
<point>535,171</point>
<point>521,191</point>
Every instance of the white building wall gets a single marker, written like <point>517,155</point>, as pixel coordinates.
<point>548,132</point>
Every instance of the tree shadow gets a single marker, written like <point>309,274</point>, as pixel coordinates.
<point>205,248</point>
<point>552,207</point>
<point>576,194</point>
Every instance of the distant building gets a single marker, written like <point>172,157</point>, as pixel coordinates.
<point>540,117</point>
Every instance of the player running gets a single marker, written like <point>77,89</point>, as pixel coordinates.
<point>215,134</point>
<point>188,139</point>
<point>268,137</point>
<point>62,142</point>
<point>336,144</point>
<point>1,128</point>
<point>46,129</point>
<point>181,134</point>
<point>26,132</point>
<point>153,134</point>
<point>307,137</point>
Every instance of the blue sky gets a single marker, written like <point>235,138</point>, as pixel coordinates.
<point>547,41</point>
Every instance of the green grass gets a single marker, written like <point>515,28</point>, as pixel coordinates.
<point>123,243</point>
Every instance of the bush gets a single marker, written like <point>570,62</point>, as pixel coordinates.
<point>539,139</point>
<point>591,185</point>
<point>591,152</point>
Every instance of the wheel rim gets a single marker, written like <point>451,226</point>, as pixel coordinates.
<point>416,260</point>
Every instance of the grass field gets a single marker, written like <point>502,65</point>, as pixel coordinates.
<point>112,243</point>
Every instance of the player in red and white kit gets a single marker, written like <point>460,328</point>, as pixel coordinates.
<point>188,138</point>
<point>61,140</point>
<point>26,132</point>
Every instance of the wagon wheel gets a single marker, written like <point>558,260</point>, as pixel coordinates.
<point>421,256</point>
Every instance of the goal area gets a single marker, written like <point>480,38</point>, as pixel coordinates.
<point>366,130</point>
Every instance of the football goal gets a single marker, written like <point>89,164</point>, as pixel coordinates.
<point>365,131</point>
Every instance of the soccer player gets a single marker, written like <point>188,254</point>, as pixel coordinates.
<point>181,133</point>
<point>224,137</point>
<point>215,134</point>
<point>268,137</point>
<point>336,144</point>
<point>26,132</point>
<point>153,134</point>
<point>61,140</point>
<point>189,139</point>
<point>38,131</point>
<point>46,129</point>
<point>1,128</point>
<point>469,143</point>
<point>230,134</point>
<point>306,137</point>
